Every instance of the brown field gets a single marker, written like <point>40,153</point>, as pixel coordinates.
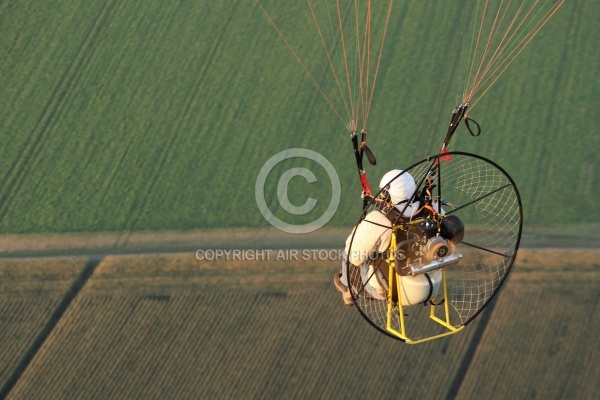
<point>31,292</point>
<point>169,326</point>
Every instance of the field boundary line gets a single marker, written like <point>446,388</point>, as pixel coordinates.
<point>61,308</point>
<point>467,359</point>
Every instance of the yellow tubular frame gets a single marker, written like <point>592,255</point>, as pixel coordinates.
<point>402,333</point>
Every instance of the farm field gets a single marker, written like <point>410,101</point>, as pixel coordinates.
<point>132,137</point>
<point>129,117</point>
<point>157,326</point>
<point>29,309</point>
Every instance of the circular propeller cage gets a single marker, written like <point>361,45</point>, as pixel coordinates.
<point>430,274</point>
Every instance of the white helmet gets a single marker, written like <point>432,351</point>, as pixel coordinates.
<point>401,186</point>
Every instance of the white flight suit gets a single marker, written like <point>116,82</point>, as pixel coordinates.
<point>374,233</point>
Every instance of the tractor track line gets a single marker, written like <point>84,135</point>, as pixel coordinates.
<point>33,145</point>
<point>122,242</point>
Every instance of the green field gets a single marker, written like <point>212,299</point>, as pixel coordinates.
<point>131,116</point>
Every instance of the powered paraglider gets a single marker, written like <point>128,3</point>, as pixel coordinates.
<point>456,253</point>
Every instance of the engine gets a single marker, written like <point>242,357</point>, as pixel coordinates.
<point>422,247</point>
